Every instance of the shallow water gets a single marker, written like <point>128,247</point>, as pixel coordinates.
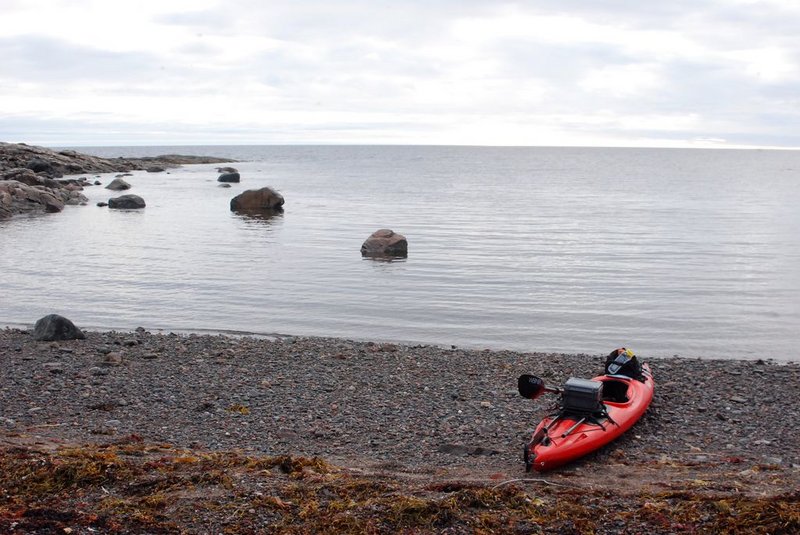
<point>686,252</point>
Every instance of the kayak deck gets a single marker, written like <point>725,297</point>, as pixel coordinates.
<point>561,438</point>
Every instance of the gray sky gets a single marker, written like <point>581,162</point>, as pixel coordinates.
<point>602,72</point>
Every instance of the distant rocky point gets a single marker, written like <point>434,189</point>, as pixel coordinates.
<point>31,176</point>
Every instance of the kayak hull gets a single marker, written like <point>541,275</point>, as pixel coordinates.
<point>560,439</point>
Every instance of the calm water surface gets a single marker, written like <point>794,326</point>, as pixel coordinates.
<point>687,252</point>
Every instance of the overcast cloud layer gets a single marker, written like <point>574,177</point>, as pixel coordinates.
<point>566,72</point>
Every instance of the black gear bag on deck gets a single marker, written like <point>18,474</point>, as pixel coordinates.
<point>623,362</point>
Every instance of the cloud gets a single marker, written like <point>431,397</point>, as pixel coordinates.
<point>566,72</point>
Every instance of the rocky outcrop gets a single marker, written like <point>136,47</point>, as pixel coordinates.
<point>69,162</point>
<point>229,177</point>
<point>127,202</point>
<point>385,243</point>
<point>28,175</point>
<point>252,200</point>
<point>55,327</point>
<point>19,197</point>
<point>118,185</point>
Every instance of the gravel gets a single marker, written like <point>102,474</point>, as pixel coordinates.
<point>362,404</point>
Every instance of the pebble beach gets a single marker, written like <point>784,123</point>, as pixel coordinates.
<point>370,403</point>
<point>400,422</point>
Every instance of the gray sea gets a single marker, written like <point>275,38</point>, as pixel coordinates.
<point>693,253</point>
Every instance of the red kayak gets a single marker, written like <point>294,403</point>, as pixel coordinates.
<point>569,434</point>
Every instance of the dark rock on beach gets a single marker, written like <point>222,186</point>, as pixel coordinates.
<point>385,243</point>
<point>54,327</point>
<point>127,202</point>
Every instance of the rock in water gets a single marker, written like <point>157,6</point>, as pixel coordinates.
<point>385,243</point>
<point>260,199</point>
<point>126,202</point>
<point>229,177</point>
<point>118,185</point>
<point>55,327</point>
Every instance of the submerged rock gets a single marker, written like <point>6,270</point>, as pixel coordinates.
<point>118,185</point>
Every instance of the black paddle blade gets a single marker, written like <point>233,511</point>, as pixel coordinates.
<point>530,386</point>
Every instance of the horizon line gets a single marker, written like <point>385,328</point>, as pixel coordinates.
<point>465,145</point>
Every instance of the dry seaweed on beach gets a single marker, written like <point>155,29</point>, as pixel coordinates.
<point>132,486</point>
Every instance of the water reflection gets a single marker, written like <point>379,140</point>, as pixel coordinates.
<point>384,259</point>
<point>260,216</point>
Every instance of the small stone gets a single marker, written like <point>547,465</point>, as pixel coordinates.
<point>53,367</point>
<point>150,356</point>
<point>486,404</point>
<point>113,359</point>
<point>738,399</point>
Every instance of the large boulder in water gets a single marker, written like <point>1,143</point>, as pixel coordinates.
<point>229,177</point>
<point>127,202</point>
<point>55,327</point>
<point>118,185</point>
<point>254,200</point>
<point>383,243</point>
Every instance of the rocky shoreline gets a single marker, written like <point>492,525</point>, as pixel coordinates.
<point>31,177</point>
<point>410,413</point>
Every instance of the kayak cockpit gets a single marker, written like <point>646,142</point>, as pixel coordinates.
<point>616,391</point>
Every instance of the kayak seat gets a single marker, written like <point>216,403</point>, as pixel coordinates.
<point>615,391</point>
